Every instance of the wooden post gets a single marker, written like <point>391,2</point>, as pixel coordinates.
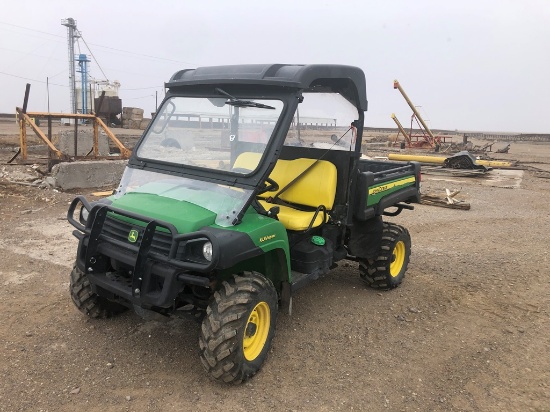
<point>26,119</point>
<point>75,137</point>
<point>26,99</point>
<point>49,135</point>
<point>100,103</point>
<point>23,137</point>
<point>96,138</point>
<point>96,123</point>
<point>22,125</point>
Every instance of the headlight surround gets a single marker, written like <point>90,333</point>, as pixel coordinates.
<point>207,251</point>
<point>198,251</point>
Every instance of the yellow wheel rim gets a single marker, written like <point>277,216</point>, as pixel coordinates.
<point>398,258</point>
<point>256,331</point>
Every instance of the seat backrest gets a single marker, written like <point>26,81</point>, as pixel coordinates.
<point>316,187</point>
<point>247,160</point>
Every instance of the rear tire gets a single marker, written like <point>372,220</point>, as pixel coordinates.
<point>87,301</point>
<point>238,329</point>
<point>387,270</point>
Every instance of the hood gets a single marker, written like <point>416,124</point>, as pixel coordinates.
<point>185,216</point>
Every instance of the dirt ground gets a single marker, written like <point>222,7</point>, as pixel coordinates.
<point>468,330</point>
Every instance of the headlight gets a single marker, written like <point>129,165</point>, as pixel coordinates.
<point>207,251</point>
<point>84,214</point>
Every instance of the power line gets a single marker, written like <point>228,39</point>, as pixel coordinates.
<point>27,28</point>
<point>144,55</point>
<point>96,61</point>
<point>32,80</point>
<point>30,54</point>
<point>57,74</point>
<point>104,47</point>
<point>144,88</point>
<point>141,97</point>
<point>63,60</point>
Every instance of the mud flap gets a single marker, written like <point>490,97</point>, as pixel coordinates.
<point>365,237</point>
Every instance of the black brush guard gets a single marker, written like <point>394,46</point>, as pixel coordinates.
<point>150,267</point>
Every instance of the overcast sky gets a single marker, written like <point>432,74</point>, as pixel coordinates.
<point>471,65</point>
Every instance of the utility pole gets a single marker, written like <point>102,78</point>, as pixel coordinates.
<point>72,35</point>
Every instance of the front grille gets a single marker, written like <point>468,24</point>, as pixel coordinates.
<point>119,230</point>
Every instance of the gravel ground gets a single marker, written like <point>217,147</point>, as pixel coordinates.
<point>468,330</point>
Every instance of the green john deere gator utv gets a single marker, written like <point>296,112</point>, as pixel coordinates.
<point>248,183</point>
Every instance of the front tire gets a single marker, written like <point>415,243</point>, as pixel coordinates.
<point>87,301</point>
<point>387,270</point>
<point>238,329</point>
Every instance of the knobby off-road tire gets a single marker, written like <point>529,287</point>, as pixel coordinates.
<point>87,301</point>
<point>387,270</point>
<point>238,328</point>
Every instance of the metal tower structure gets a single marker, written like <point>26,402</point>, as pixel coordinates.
<point>72,35</point>
<point>83,65</point>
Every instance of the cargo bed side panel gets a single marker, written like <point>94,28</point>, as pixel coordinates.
<point>384,184</point>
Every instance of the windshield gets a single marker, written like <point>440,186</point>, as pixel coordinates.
<point>225,201</point>
<point>210,133</point>
<point>323,121</point>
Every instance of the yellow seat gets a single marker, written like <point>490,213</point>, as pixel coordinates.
<point>317,187</point>
<point>247,160</point>
<point>294,219</point>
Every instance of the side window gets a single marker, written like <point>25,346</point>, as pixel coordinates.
<point>323,121</point>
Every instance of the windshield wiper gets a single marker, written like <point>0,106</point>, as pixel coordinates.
<point>233,101</point>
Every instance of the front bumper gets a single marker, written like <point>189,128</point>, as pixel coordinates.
<point>158,261</point>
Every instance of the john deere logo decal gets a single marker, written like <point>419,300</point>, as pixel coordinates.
<point>133,236</point>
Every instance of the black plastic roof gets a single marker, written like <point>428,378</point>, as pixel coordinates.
<point>347,80</point>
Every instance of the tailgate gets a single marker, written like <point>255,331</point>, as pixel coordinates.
<point>380,185</point>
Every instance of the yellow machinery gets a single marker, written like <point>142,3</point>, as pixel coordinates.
<point>426,135</point>
<point>401,129</point>
<point>440,160</point>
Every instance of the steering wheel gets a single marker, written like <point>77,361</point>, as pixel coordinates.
<point>273,186</point>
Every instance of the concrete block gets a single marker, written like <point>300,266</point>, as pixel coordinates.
<point>134,124</point>
<point>50,181</point>
<point>131,124</point>
<point>84,143</point>
<point>129,116</point>
<point>88,174</point>
<point>132,111</point>
<point>144,123</point>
